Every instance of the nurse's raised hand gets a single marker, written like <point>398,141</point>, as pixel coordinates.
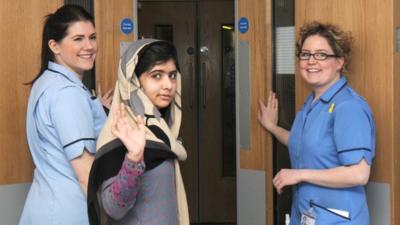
<point>105,99</point>
<point>133,138</point>
<point>286,177</point>
<point>268,114</point>
<point>268,117</point>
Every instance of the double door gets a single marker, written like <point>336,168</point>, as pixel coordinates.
<point>203,33</point>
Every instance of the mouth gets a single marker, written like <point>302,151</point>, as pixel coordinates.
<point>86,56</point>
<point>313,70</point>
<point>165,97</point>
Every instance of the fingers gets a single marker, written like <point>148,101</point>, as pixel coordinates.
<point>106,99</point>
<point>119,117</point>
<point>122,114</point>
<point>261,104</point>
<point>114,125</point>
<point>261,109</point>
<point>278,186</point>
<point>278,182</point>
<point>109,93</point>
<point>275,179</point>
<point>98,89</point>
<point>108,96</point>
<point>272,101</point>
<point>140,122</point>
<point>121,110</point>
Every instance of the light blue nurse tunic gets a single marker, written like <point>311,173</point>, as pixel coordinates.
<point>62,121</point>
<point>336,130</point>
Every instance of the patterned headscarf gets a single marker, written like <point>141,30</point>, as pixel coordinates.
<point>108,160</point>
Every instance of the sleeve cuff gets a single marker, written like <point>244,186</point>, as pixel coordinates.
<point>75,149</point>
<point>354,156</point>
<point>134,166</point>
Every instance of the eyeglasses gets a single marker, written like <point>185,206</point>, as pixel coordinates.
<point>320,56</point>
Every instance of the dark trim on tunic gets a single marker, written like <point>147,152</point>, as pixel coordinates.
<point>354,149</point>
<point>312,203</point>
<point>331,97</point>
<point>55,71</point>
<point>82,139</point>
<point>81,85</point>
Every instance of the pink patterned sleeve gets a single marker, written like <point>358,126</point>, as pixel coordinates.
<point>119,192</point>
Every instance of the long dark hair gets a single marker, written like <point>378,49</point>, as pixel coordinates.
<point>55,28</point>
<point>154,54</point>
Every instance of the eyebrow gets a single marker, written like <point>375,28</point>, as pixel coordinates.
<point>82,35</point>
<point>162,71</point>
<point>317,50</point>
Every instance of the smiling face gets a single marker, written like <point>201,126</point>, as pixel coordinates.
<point>77,50</point>
<point>319,74</point>
<point>159,83</point>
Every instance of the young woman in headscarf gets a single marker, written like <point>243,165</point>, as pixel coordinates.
<point>136,171</point>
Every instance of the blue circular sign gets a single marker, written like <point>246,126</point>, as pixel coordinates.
<point>243,25</point>
<point>127,26</point>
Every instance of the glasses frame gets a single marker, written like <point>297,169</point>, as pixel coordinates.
<point>325,56</point>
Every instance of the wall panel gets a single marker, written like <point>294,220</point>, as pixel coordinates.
<point>396,119</point>
<point>108,15</point>
<point>259,37</point>
<point>20,42</point>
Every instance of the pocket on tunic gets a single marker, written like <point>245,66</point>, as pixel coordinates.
<point>319,132</point>
<point>326,215</point>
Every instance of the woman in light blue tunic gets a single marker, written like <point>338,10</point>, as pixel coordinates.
<point>332,140</point>
<point>63,121</point>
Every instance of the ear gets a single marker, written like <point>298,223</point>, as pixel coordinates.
<point>340,63</point>
<point>54,47</point>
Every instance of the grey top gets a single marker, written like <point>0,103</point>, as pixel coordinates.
<point>136,197</point>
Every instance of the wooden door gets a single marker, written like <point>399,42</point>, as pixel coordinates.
<point>156,20</point>
<point>211,196</point>
<point>217,186</point>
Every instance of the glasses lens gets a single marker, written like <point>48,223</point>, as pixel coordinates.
<point>320,56</point>
<point>304,55</point>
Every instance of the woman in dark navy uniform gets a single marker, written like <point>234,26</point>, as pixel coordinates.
<point>332,140</point>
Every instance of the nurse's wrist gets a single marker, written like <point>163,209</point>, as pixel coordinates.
<point>303,175</point>
<point>273,129</point>
<point>278,131</point>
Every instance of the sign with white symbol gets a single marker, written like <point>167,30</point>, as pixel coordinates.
<point>126,26</point>
<point>243,25</point>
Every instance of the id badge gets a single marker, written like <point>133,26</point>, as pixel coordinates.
<point>308,217</point>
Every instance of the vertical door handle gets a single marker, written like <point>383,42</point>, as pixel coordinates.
<point>192,84</point>
<point>204,83</point>
<point>204,55</point>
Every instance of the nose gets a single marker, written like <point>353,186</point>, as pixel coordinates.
<point>311,60</point>
<point>90,44</point>
<point>166,82</point>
